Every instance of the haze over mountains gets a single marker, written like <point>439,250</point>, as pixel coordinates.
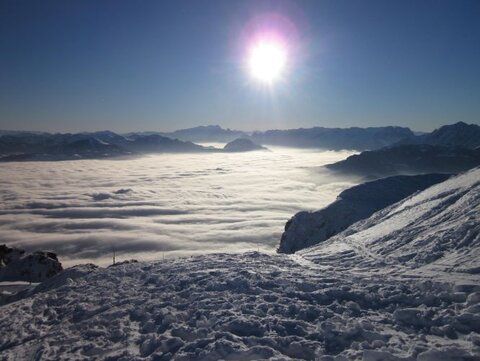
<point>206,134</point>
<point>317,137</point>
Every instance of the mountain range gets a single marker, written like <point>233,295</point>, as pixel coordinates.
<point>449,149</point>
<point>18,146</point>
<point>98,145</point>
<point>316,137</point>
<point>459,134</point>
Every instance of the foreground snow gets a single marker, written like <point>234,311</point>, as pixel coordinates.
<point>239,307</point>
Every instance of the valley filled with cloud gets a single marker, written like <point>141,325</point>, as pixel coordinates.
<point>162,205</point>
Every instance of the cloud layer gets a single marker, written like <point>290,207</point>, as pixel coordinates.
<point>175,204</point>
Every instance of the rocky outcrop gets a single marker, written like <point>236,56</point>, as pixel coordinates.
<point>306,229</point>
<point>16,265</point>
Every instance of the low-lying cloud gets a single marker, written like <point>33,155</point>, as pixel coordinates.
<point>175,204</point>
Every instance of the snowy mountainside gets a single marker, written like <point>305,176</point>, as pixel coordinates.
<point>436,229</point>
<point>306,229</point>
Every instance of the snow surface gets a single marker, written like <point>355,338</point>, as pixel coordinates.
<point>354,297</point>
<point>251,306</point>
<point>435,231</point>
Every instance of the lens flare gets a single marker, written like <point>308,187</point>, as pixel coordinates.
<point>267,60</point>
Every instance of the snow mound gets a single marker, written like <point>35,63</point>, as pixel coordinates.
<point>436,230</point>
<point>239,307</point>
<point>306,229</point>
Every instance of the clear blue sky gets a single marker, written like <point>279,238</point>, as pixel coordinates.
<point>160,65</point>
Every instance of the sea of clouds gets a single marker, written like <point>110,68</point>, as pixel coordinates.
<point>162,205</point>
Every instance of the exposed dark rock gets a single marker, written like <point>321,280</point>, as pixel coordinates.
<point>15,265</point>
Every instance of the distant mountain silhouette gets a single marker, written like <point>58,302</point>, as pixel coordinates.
<point>87,148</point>
<point>97,145</point>
<point>409,159</point>
<point>334,138</point>
<point>205,134</point>
<point>458,134</point>
<point>316,137</point>
<point>242,145</point>
<point>157,144</point>
<point>16,146</point>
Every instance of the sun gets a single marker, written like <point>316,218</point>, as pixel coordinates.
<point>267,60</point>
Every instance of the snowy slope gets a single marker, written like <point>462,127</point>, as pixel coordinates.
<point>436,230</point>
<point>306,229</point>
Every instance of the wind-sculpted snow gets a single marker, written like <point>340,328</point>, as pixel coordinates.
<point>306,229</point>
<point>173,203</point>
<point>435,231</point>
<point>249,306</point>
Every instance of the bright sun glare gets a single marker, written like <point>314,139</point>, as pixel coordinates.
<point>267,60</point>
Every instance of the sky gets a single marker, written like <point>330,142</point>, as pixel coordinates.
<point>164,65</point>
